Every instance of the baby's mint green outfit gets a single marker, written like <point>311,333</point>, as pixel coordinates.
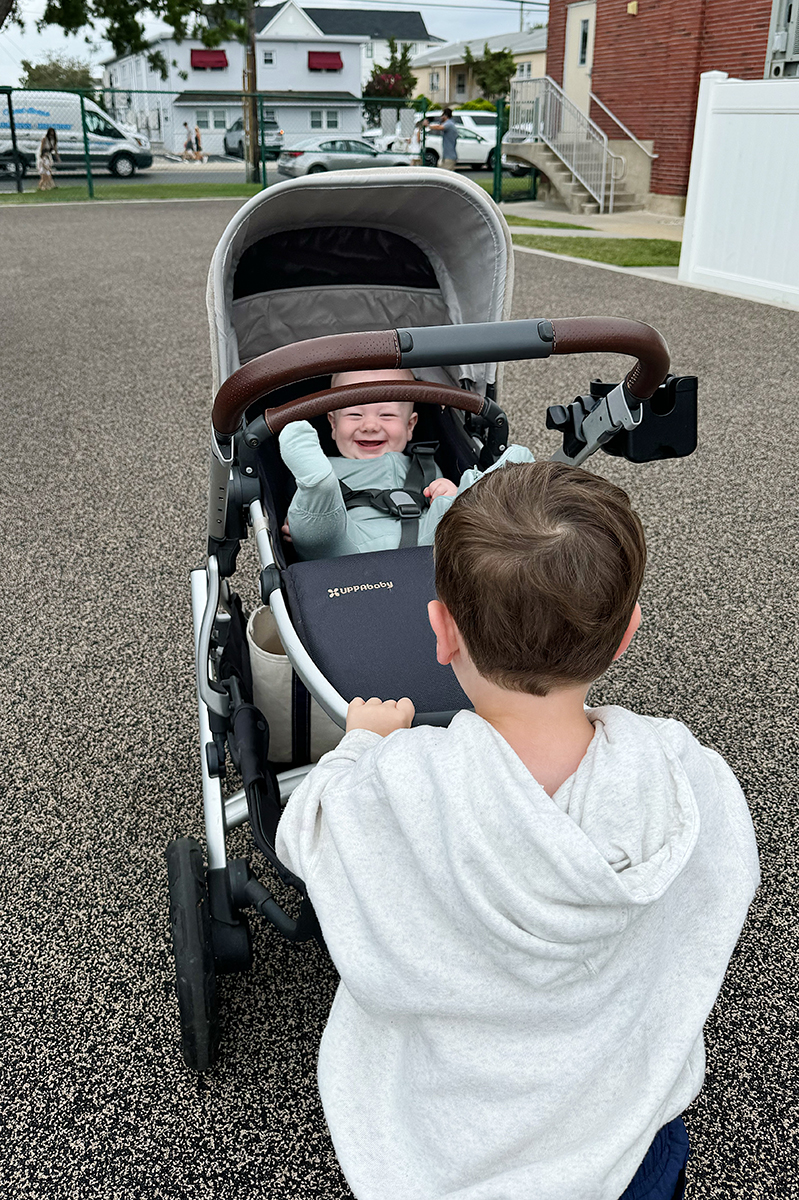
<point>319,523</point>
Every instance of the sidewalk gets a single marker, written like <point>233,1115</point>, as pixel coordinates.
<point>627,224</point>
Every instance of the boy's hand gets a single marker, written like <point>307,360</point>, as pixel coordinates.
<point>440,487</point>
<point>380,716</point>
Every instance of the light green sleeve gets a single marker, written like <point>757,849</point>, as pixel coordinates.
<point>317,517</point>
<point>430,519</point>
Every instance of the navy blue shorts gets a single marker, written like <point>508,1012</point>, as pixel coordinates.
<point>661,1176</point>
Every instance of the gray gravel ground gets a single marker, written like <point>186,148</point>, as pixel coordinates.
<point>105,381</point>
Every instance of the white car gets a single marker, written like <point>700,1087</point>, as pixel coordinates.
<point>474,150</point>
<point>479,122</point>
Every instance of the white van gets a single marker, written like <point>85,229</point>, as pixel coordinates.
<point>110,145</point>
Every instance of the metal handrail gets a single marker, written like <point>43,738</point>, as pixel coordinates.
<point>622,126</point>
<point>541,111</point>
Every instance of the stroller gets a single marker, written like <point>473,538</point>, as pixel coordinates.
<point>422,261</point>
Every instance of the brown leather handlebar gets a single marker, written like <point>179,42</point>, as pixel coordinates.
<point>302,360</point>
<point>332,399</point>
<point>380,349</point>
<point>583,335</point>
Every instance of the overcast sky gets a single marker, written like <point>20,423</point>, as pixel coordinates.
<point>454,20</point>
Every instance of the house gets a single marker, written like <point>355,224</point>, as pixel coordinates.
<point>373,26</point>
<point>443,76</point>
<point>310,67</point>
<point>634,68</point>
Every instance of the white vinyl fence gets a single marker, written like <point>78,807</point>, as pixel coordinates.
<point>740,230</point>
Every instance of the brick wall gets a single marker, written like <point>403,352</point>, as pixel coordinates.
<point>646,67</point>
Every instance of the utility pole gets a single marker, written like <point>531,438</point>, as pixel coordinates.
<point>251,101</point>
<point>521,16</point>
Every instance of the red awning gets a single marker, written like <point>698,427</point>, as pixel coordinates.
<point>204,60</point>
<point>324,60</point>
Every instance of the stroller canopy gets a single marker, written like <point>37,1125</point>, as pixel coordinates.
<point>357,250</point>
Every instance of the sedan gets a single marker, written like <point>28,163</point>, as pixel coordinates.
<point>474,149</point>
<point>311,156</point>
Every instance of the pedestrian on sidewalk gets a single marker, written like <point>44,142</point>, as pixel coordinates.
<point>48,152</point>
<point>449,140</point>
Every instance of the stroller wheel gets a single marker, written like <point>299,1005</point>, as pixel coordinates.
<point>194,956</point>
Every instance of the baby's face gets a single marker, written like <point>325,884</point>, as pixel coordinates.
<point>369,430</point>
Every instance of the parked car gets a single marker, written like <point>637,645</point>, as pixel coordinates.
<point>475,150</point>
<point>273,139</point>
<point>480,122</point>
<point>111,144</point>
<point>312,155</point>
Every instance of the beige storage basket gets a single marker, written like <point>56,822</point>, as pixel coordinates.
<point>272,685</point>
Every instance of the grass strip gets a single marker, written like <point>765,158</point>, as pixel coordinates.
<point>621,252</point>
<point>513,221</point>
<point>133,191</point>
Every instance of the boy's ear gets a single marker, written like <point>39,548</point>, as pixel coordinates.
<point>445,630</point>
<point>630,632</point>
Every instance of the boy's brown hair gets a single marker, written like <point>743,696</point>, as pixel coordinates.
<point>540,565</point>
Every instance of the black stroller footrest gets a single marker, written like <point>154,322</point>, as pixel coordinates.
<point>248,891</point>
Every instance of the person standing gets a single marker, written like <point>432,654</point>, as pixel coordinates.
<point>188,143</point>
<point>449,140</point>
<point>48,152</point>
<point>198,146</point>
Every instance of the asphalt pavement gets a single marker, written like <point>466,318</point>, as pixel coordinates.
<point>105,387</point>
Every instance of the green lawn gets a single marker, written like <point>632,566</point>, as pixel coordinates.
<point>621,252</point>
<point>130,191</point>
<point>513,221</point>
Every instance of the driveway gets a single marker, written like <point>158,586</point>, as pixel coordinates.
<point>106,395</point>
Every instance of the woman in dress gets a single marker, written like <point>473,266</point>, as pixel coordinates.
<point>48,152</point>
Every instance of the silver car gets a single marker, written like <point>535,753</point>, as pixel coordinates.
<point>310,156</point>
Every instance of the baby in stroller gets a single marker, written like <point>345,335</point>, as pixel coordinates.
<point>375,496</point>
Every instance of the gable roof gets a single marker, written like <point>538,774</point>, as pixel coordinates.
<point>518,43</point>
<point>379,24</point>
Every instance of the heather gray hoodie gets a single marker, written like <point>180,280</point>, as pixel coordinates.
<point>524,978</point>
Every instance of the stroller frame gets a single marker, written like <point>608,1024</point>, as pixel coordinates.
<point>649,415</point>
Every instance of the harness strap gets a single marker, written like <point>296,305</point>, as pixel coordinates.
<point>406,503</point>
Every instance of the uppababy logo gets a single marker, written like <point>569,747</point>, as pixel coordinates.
<point>358,587</point>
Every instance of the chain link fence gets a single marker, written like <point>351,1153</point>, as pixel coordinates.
<point>116,142</point>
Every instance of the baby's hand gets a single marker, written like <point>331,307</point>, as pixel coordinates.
<point>302,453</point>
<point>440,487</point>
<point>380,716</point>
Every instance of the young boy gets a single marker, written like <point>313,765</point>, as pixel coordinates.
<point>532,910</point>
<point>371,439</point>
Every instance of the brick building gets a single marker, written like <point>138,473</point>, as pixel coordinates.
<point>643,61</point>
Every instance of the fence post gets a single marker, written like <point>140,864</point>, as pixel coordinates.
<point>14,147</point>
<point>261,140</point>
<point>89,179</point>
<point>423,131</point>
<point>498,150</point>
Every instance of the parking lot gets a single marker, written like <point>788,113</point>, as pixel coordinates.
<point>106,400</point>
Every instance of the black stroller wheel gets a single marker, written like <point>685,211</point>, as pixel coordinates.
<point>194,956</point>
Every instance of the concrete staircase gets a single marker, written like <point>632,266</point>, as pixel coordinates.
<point>563,186</point>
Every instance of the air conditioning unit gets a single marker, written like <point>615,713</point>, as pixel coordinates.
<point>782,56</point>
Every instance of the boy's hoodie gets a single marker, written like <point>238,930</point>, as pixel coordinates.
<point>524,978</point>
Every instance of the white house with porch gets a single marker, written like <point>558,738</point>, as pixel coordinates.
<point>311,75</point>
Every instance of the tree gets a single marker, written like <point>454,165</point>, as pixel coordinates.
<point>58,71</point>
<point>493,72</point>
<point>211,23</point>
<point>394,82</point>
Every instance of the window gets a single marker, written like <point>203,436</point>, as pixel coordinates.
<point>460,83</point>
<point>220,118</point>
<point>324,118</point>
<point>100,127</point>
<point>434,81</point>
<point>269,116</point>
<point>202,118</point>
<point>269,58</point>
<point>583,43</point>
<point>370,50</point>
<point>523,70</point>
